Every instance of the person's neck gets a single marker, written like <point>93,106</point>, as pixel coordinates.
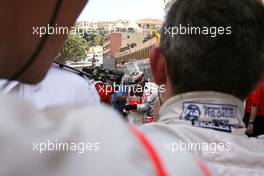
<point>168,93</point>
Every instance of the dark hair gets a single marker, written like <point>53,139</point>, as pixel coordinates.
<point>232,62</point>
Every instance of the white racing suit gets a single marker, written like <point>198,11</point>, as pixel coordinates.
<point>133,115</point>
<point>209,124</point>
<point>136,97</point>
<point>148,106</point>
<point>81,141</point>
<point>145,104</point>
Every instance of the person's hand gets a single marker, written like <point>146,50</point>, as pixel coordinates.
<point>249,130</point>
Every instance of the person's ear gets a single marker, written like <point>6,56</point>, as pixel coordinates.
<point>158,66</point>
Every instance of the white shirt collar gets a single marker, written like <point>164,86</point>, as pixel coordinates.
<point>203,106</point>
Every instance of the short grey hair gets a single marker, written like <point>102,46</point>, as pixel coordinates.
<point>232,63</point>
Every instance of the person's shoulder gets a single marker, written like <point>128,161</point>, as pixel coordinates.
<point>169,142</point>
<point>70,78</point>
<point>92,133</point>
<point>65,73</point>
<point>16,109</point>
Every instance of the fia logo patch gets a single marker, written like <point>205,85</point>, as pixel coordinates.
<point>192,112</point>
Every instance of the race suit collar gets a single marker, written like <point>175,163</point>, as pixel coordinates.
<point>204,109</point>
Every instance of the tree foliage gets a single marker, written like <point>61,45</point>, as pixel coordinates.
<point>98,40</point>
<point>93,38</point>
<point>75,48</point>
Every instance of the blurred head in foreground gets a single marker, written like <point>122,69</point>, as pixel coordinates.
<point>23,37</point>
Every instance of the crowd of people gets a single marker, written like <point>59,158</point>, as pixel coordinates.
<point>198,130</point>
<point>131,95</point>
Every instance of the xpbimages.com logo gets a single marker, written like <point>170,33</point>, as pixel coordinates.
<point>80,147</point>
<point>109,89</point>
<point>195,146</point>
<point>40,31</point>
<point>197,30</point>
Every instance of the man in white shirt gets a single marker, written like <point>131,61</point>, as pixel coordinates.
<point>207,75</point>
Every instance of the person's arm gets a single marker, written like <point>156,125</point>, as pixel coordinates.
<point>254,111</point>
<point>148,104</point>
<point>255,104</point>
<point>253,114</point>
<point>250,127</point>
